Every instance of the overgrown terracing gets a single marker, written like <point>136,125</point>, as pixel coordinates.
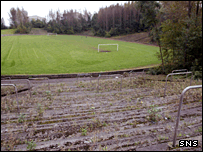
<point>75,116</point>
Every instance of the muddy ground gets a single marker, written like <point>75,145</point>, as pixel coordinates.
<point>80,115</point>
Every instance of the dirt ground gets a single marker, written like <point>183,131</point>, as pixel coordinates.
<point>106,114</point>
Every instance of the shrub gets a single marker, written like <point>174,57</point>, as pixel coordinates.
<point>113,32</point>
<point>155,71</point>
<point>101,32</point>
<point>127,30</point>
<point>22,29</point>
<point>107,34</point>
<point>70,31</point>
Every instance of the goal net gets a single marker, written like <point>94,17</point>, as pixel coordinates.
<point>107,44</point>
<point>55,34</point>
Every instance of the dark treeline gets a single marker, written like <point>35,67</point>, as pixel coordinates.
<point>176,26</point>
<point>110,21</point>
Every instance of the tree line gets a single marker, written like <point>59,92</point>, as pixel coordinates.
<point>176,26</point>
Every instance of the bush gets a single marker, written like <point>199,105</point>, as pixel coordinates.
<point>21,29</point>
<point>70,31</point>
<point>101,32</point>
<point>107,34</point>
<point>127,30</point>
<point>155,71</point>
<point>113,32</point>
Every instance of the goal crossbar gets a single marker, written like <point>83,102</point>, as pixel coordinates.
<point>107,44</point>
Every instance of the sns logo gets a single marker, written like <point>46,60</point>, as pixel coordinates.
<point>188,143</point>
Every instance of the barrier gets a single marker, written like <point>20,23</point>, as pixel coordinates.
<point>179,71</point>
<point>28,82</point>
<point>176,74</point>
<point>137,73</point>
<point>42,78</point>
<point>179,108</point>
<point>15,91</point>
<point>84,75</point>
<point>109,76</point>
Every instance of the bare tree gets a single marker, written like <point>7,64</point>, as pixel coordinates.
<point>13,17</point>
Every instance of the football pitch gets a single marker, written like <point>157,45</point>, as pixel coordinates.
<point>42,54</point>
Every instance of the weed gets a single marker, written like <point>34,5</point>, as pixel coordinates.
<point>21,118</point>
<point>104,148</point>
<point>84,131</point>
<point>153,113</point>
<point>136,143</point>
<point>199,129</point>
<point>40,110</point>
<point>59,90</point>
<point>104,124</point>
<point>48,93</point>
<point>31,145</point>
<point>34,93</point>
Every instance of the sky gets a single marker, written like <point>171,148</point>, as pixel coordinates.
<point>42,8</point>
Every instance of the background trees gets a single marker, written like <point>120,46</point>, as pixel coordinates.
<point>19,20</point>
<point>182,34</point>
<point>3,26</point>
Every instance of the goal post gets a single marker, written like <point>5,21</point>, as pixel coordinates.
<point>51,34</point>
<point>107,44</point>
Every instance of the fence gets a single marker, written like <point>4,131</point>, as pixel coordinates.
<point>179,108</point>
<point>28,82</point>
<point>131,73</point>
<point>109,76</point>
<point>176,74</point>
<point>179,71</point>
<point>84,75</point>
<point>46,78</point>
<point>15,91</point>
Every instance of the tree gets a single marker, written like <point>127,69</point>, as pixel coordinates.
<point>3,26</point>
<point>13,18</point>
<point>182,34</point>
<point>19,20</point>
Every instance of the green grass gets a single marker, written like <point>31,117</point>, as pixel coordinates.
<point>8,31</point>
<point>41,54</point>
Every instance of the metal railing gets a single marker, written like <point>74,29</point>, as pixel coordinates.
<point>180,70</point>
<point>131,72</point>
<point>179,108</point>
<point>40,78</point>
<point>85,75</point>
<point>6,78</point>
<point>15,91</point>
<point>28,82</point>
<point>115,75</point>
<point>176,74</point>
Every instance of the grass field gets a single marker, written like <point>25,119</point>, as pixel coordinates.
<point>41,54</point>
<point>8,31</point>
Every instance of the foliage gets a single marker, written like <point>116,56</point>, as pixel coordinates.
<point>21,118</point>
<point>179,36</point>
<point>3,26</point>
<point>31,145</point>
<point>101,32</point>
<point>153,113</point>
<point>84,131</point>
<point>21,29</point>
<point>107,34</point>
<point>18,17</point>
<point>38,23</point>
